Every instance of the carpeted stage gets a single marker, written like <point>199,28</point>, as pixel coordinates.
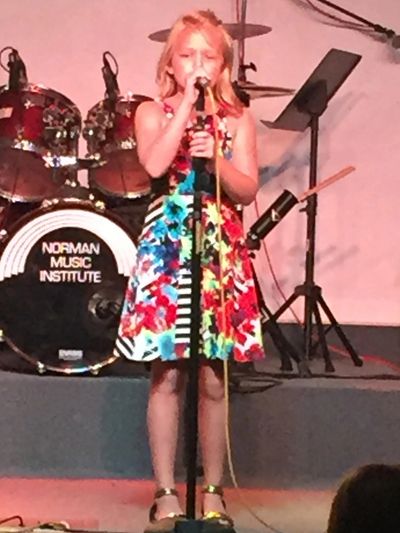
<point>75,448</point>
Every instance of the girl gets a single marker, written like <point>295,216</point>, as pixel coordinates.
<point>155,321</point>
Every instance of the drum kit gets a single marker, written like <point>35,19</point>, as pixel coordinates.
<point>66,251</point>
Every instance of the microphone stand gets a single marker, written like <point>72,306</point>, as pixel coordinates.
<point>17,72</point>
<point>192,397</point>
<point>376,27</point>
<point>110,81</point>
<point>201,177</point>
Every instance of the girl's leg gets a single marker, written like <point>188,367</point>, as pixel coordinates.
<point>162,422</point>
<point>212,429</point>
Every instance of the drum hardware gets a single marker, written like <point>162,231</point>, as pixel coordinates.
<point>110,137</point>
<point>70,163</point>
<point>244,89</point>
<point>16,68</point>
<point>59,201</point>
<point>389,34</point>
<point>69,185</point>
<point>110,79</point>
<point>106,304</point>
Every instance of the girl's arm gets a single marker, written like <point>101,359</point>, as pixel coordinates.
<point>158,138</point>
<point>239,176</point>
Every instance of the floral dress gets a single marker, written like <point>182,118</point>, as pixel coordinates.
<point>156,314</point>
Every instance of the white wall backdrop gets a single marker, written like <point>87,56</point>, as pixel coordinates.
<point>358,243</point>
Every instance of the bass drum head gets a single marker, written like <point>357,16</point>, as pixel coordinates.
<point>63,274</point>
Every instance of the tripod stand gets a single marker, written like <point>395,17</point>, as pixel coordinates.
<point>305,111</point>
<point>268,323</point>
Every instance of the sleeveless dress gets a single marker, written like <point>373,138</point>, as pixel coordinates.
<point>156,315</point>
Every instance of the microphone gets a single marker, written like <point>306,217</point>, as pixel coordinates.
<point>202,82</point>
<point>110,79</point>
<point>199,163</point>
<point>17,72</point>
<point>105,305</point>
<point>200,102</point>
<point>106,309</point>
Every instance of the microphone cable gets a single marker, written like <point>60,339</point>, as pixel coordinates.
<point>217,151</point>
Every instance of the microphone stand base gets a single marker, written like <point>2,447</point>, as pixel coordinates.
<point>201,526</point>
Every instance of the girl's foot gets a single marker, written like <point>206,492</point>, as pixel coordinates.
<point>214,509</point>
<point>164,512</point>
<point>167,504</point>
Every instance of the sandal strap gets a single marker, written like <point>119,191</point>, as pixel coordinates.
<point>165,491</point>
<point>211,517</point>
<point>222,519</point>
<point>213,489</point>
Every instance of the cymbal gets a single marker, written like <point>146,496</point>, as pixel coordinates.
<point>236,30</point>
<point>263,91</point>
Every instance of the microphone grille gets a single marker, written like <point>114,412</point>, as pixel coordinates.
<point>203,81</point>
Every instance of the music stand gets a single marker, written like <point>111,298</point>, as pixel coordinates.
<point>302,112</point>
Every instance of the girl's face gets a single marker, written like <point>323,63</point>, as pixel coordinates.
<point>196,51</point>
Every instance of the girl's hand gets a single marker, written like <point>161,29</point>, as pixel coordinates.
<point>202,145</point>
<point>191,93</point>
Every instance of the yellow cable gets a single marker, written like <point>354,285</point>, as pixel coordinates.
<point>232,474</point>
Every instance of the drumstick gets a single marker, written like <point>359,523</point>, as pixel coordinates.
<point>282,205</point>
<point>328,181</point>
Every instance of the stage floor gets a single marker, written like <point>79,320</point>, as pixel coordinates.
<point>74,448</point>
<point>120,505</point>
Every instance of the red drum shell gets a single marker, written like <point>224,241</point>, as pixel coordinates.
<point>109,132</point>
<point>34,122</point>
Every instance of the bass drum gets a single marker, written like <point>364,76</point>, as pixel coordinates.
<point>63,273</point>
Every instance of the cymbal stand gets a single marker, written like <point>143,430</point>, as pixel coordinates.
<point>242,66</point>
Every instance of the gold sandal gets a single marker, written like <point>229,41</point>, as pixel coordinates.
<point>167,523</point>
<point>216,519</point>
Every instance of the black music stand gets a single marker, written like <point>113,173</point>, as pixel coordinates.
<point>302,112</point>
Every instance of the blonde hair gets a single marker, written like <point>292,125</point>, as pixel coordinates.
<point>202,21</point>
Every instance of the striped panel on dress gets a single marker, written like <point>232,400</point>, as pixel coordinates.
<point>125,346</point>
<point>183,319</point>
